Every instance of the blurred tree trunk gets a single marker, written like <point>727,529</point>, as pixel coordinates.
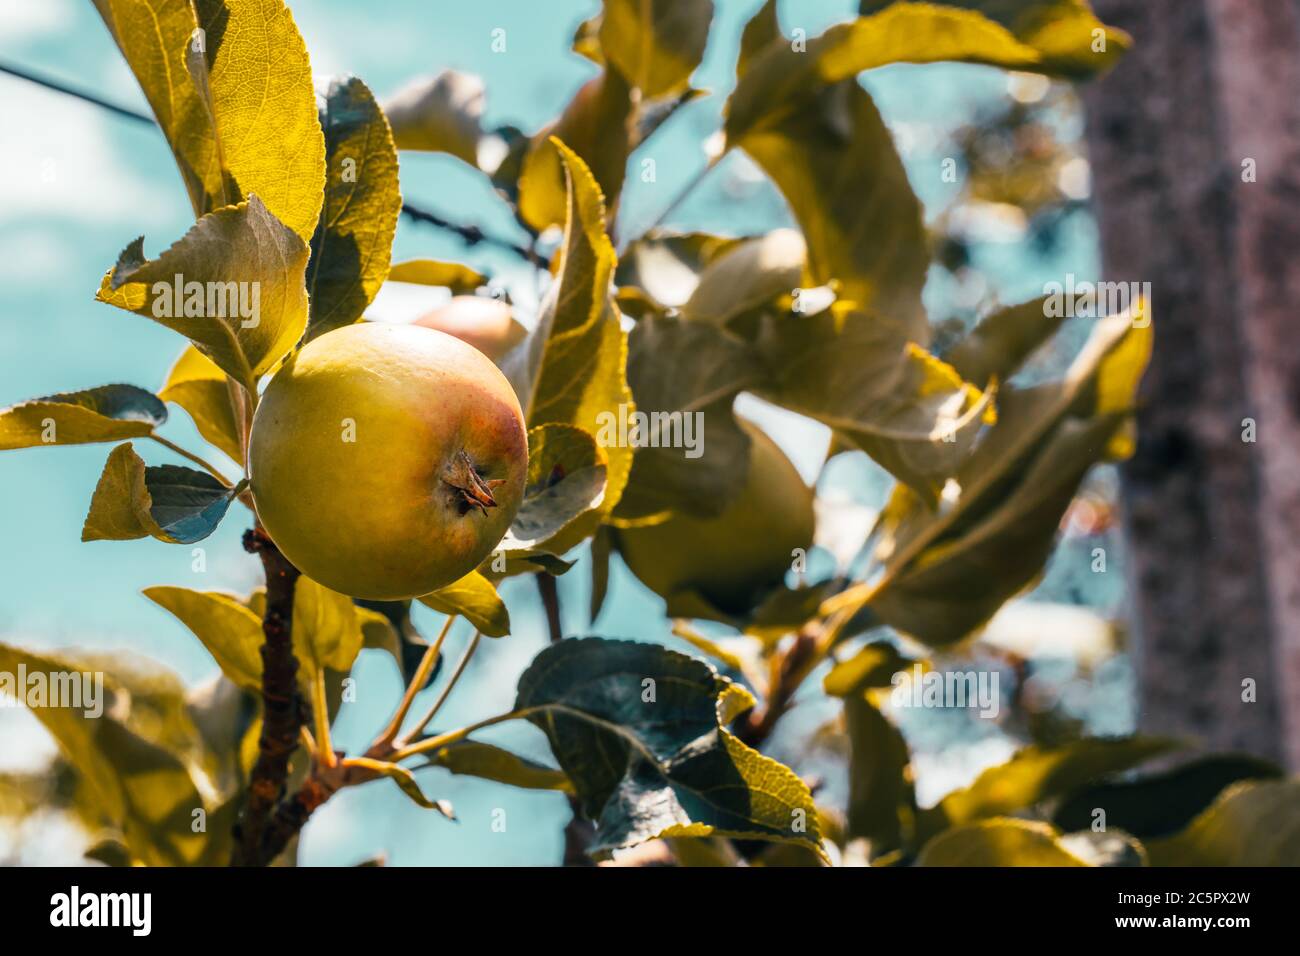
<point>1208,101</point>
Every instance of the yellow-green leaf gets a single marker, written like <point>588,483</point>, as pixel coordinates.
<point>224,624</point>
<point>460,279</point>
<point>564,493</point>
<point>1001,842</point>
<point>656,44</point>
<point>873,666</point>
<point>1253,823</point>
<point>750,273</point>
<point>405,780</point>
<point>106,413</point>
<point>595,126</point>
<point>474,598</point>
<point>352,246</point>
<point>573,368</point>
<point>198,386</point>
<point>327,633</point>
<point>439,114</point>
<point>172,503</point>
<point>477,759</point>
<point>233,285</point>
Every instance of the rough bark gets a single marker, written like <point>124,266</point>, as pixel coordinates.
<point>1213,521</point>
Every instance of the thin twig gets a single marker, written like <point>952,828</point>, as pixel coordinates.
<point>470,235</point>
<point>446,691</point>
<point>194,458</point>
<point>282,709</point>
<point>416,684</point>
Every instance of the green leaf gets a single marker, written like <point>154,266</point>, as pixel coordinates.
<point>138,787</point>
<point>760,32</point>
<point>1253,823</point>
<point>572,369</point>
<point>656,44</point>
<point>776,79</point>
<point>236,104</point>
<point>198,386</point>
<point>667,266</point>
<point>475,759</point>
<point>880,792</point>
<point>684,377</point>
<point>243,302</point>
<point>1036,774</point>
<point>224,624</point>
<point>873,666</point>
<point>636,729</point>
<point>460,279</point>
<point>352,246</point>
<point>172,503</point>
<point>327,632</point>
<point>441,114</point>
<point>1160,804</point>
<point>1064,32</point>
<point>474,598</point>
<point>939,575</point>
<point>834,144</point>
<point>1000,842</point>
<point>106,413</point>
<point>858,374</point>
<point>595,127</point>
<point>405,780</point>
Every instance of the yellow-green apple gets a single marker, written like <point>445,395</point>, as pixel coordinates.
<point>730,559</point>
<point>387,460</point>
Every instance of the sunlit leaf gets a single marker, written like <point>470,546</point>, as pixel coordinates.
<point>224,624</point>
<point>172,503</point>
<point>460,279</point>
<point>475,759</point>
<point>656,44</point>
<point>1253,823</point>
<point>1000,343</point>
<point>474,598</point>
<point>106,413</point>
<point>1000,842</point>
<point>241,298</point>
<point>405,780</point>
<point>572,369</point>
<point>873,666</point>
<point>748,274</point>
<point>351,248</point>
<point>198,386</point>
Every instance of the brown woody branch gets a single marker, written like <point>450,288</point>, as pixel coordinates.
<point>283,710</point>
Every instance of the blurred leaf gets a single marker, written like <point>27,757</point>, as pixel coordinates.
<point>1113,848</point>
<point>572,369</point>
<point>880,790</point>
<point>760,32</point>
<point>441,114</point>
<point>656,44</point>
<point>239,258</point>
<point>652,115</point>
<point>666,266</point>
<point>474,598</point>
<point>751,273</point>
<point>602,544</point>
<point>1000,343</point>
<point>873,666</point>
<point>933,571</point>
<point>635,727</point>
<point>173,504</point>
<point>858,374</point>
<point>139,788</point>
<point>1252,823</point>
<point>353,243</point>
<point>237,104</point>
<point>460,279</point>
<point>106,413</point>
<point>834,144</point>
<point>779,77</point>
<point>198,386</point>
<point>224,624</point>
<point>1036,774</point>
<point>1000,842</point>
<point>1064,32</point>
<point>405,780</point>
<point>684,377</point>
<point>595,126</point>
<point>489,762</point>
<point>1160,804</point>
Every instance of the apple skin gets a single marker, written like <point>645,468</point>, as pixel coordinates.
<point>730,559</point>
<point>487,324</point>
<point>383,516</point>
